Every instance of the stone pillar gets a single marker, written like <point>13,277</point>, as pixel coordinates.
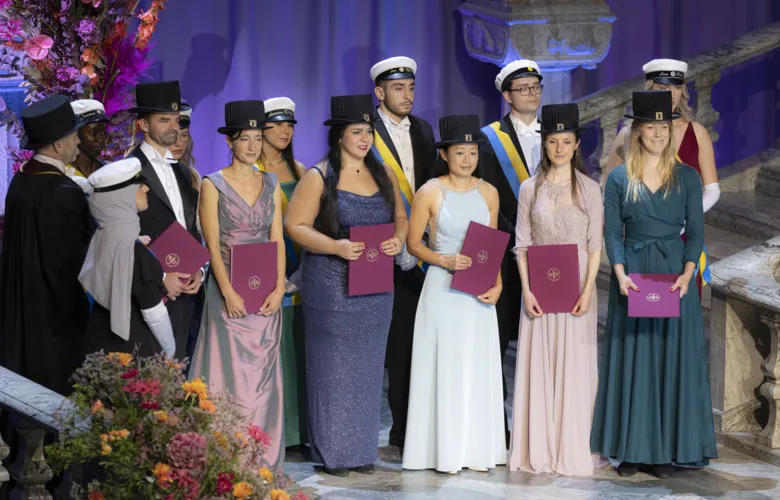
<point>559,35</point>
<point>770,389</point>
<point>28,467</point>
<point>735,364</point>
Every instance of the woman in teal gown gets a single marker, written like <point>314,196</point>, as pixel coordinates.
<point>653,408</point>
<point>277,157</point>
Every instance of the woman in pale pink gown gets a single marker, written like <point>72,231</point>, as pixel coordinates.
<point>556,374</point>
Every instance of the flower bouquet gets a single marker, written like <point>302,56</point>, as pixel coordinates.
<point>149,433</point>
<point>80,48</point>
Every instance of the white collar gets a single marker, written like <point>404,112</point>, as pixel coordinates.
<point>389,122</point>
<point>50,161</point>
<point>153,155</point>
<point>522,128</point>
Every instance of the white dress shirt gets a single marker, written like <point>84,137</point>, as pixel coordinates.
<point>162,166</point>
<point>530,140</point>
<point>402,140</point>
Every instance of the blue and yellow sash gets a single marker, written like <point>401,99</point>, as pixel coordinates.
<point>292,250</point>
<point>383,154</point>
<point>703,267</point>
<point>508,157</point>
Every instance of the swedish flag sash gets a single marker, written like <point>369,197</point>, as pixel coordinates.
<point>703,266</point>
<point>511,163</point>
<point>292,250</point>
<point>383,154</point>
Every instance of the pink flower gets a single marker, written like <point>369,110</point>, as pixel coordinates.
<point>188,451</point>
<point>300,496</point>
<point>150,405</point>
<point>38,47</point>
<point>94,3</point>
<point>225,482</point>
<point>4,4</point>
<point>130,374</point>
<point>259,435</point>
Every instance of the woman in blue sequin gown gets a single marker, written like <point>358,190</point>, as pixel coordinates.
<point>345,336</point>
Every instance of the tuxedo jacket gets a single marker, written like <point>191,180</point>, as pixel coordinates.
<point>422,146</point>
<point>492,172</point>
<point>160,214</point>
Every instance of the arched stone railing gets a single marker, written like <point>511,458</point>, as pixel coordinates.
<point>27,419</point>
<point>609,105</point>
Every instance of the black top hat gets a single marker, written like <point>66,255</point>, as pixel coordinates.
<point>243,115</point>
<point>560,118</point>
<point>652,106</point>
<point>160,97</point>
<point>47,121</point>
<point>346,109</point>
<point>458,129</point>
<point>184,122</point>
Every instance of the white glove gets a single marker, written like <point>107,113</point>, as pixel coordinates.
<point>160,324</point>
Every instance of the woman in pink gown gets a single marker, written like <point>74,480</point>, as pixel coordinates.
<point>556,374</point>
<point>238,349</point>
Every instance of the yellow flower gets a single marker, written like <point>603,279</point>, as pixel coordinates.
<point>105,449</point>
<point>279,495</point>
<point>266,474</point>
<point>104,438</point>
<point>97,406</point>
<point>161,416</point>
<point>163,474</point>
<point>123,358</point>
<point>221,440</point>
<point>117,435</point>
<point>242,490</point>
<point>242,438</point>
<point>207,406</point>
<point>196,387</point>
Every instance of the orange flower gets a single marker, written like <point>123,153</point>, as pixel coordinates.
<point>117,435</point>
<point>241,437</point>
<point>104,438</point>
<point>96,495</point>
<point>207,406</point>
<point>161,416</point>
<point>279,495</point>
<point>242,490</point>
<point>266,474</point>
<point>173,364</point>
<point>97,406</point>
<point>123,358</point>
<point>163,474</point>
<point>105,449</point>
<point>89,56</point>
<point>196,387</point>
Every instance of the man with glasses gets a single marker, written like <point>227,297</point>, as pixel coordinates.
<point>510,154</point>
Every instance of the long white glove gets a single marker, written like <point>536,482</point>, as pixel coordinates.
<point>710,195</point>
<point>160,324</point>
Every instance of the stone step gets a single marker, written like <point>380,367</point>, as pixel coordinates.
<point>768,181</point>
<point>755,215</point>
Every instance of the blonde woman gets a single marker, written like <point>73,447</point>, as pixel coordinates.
<point>653,408</point>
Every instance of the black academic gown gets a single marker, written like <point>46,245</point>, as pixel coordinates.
<point>508,306</point>
<point>48,228</point>
<point>408,285</point>
<point>155,220</point>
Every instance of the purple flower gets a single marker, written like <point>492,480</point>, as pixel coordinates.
<point>88,31</point>
<point>5,3</point>
<point>68,73</point>
<point>188,451</point>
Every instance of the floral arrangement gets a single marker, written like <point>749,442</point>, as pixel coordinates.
<point>150,433</point>
<point>81,48</point>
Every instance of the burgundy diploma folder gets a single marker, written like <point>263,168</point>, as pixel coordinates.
<point>654,300</point>
<point>486,247</point>
<point>554,277</point>
<point>373,271</point>
<point>253,272</point>
<point>178,251</point>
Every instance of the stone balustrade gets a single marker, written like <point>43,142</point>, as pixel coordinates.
<point>27,422</point>
<point>745,345</point>
<point>609,105</point>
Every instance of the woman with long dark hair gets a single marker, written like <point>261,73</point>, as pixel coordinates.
<point>345,336</point>
<point>653,408</point>
<point>277,157</point>
<point>556,374</point>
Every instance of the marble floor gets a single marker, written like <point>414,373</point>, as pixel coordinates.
<point>733,475</point>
